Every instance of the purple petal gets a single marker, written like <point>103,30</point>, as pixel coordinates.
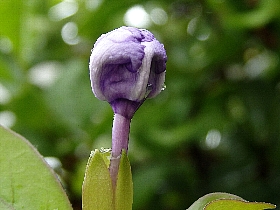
<point>116,65</point>
<point>147,36</point>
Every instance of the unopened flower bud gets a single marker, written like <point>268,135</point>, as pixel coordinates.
<point>127,65</point>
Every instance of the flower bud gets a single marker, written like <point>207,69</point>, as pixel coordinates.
<point>127,65</point>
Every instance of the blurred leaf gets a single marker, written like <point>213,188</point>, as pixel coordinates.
<point>77,179</point>
<point>261,15</point>
<point>27,182</point>
<point>124,189</point>
<point>145,183</point>
<point>10,16</point>
<point>97,186</point>
<point>71,97</point>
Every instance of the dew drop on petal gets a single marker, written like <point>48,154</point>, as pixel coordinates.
<point>149,88</point>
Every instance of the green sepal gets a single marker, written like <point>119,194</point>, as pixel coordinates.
<point>106,155</point>
<point>124,189</point>
<point>97,186</point>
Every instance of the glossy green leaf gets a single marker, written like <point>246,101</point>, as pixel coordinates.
<point>221,201</point>
<point>97,186</point>
<point>124,189</point>
<point>26,180</point>
<point>232,204</point>
<point>203,201</point>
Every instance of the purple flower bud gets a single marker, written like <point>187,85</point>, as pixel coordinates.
<point>127,65</point>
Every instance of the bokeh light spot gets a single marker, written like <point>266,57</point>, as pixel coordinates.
<point>5,95</point>
<point>137,16</point>
<point>213,139</point>
<point>159,16</point>
<point>44,74</point>
<point>63,10</point>
<point>7,119</point>
<point>69,33</point>
<point>92,5</point>
<point>6,45</point>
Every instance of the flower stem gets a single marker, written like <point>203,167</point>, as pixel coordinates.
<point>120,136</point>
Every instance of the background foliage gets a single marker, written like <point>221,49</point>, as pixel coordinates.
<point>214,128</point>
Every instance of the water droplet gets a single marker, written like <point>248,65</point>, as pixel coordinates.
<point>149,88</point>
<point>163,87</point>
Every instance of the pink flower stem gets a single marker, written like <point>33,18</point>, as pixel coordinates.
<point>120,136</point>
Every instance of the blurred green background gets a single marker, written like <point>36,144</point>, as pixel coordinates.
<point>215,127</point>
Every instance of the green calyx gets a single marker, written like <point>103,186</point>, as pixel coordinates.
<point>98,191</point>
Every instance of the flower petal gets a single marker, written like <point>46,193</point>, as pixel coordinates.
<point>127,63</point>
<point>109,60</point>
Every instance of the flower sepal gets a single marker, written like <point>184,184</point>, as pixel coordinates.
<point>98,191</point>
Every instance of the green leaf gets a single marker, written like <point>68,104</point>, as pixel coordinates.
<point>203,201</point>
<point>97,186</point>
<point>124,189</point>
<point>26,180</point>
<point>221,201</point>
<point>232,204</point>
<point>5,205</point>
